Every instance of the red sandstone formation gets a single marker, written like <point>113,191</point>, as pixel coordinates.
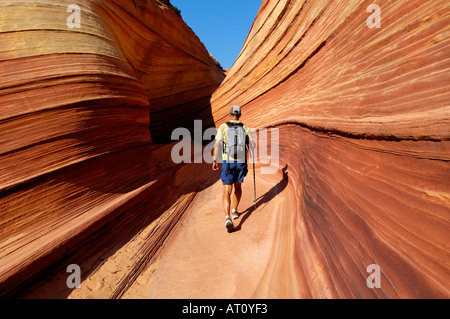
<point>364,119</point>
<point>75,143</point>
<point>364,149</point>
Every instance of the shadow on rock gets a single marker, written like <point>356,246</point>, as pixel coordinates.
<point>267,197</point>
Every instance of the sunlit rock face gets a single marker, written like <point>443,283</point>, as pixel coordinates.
<point>83,92</point>
<point>364,115</point>
<point>359,206</point>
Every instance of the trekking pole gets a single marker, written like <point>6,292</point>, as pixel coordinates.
<point>254,176</point>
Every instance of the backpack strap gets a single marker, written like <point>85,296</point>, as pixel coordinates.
<point>235,124</point>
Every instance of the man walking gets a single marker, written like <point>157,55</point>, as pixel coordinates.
<point>235,138</point>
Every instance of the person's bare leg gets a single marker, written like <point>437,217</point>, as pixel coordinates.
<point>227,190</point>
<point>236,196</point>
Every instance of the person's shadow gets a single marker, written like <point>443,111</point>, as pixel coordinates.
<point>264,199</point>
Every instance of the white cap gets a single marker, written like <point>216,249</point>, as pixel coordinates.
<point>235,110</point>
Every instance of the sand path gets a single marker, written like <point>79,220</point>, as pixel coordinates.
<point>187,252</point>
<point>204,261</point>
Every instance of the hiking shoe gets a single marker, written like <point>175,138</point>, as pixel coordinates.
<point>229,224</point>
<point>235,214</point>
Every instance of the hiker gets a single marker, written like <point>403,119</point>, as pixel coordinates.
<point>236,139</point>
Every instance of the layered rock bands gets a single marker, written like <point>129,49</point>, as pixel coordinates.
<point>359,206</point>
<point>364,118</point>
<point>79,109</point>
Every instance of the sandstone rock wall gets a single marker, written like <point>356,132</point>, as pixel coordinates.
<point>75,106</point>
<point>364,118</point>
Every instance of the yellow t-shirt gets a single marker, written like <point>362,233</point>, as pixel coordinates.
<point>222,133</point>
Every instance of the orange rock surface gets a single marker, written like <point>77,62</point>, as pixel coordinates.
<point>363,178</point>
<point>364,119</point>
<point>76,106</point>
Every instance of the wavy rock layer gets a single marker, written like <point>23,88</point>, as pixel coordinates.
<point>363,117</point>
<point>364,128</point>
<point>75,112</point>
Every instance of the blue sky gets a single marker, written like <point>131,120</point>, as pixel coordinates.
<point>222,25</point>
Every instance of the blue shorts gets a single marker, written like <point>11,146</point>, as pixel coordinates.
<point>233,172</point>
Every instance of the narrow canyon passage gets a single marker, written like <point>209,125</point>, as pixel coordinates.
<point>197,249</point>
<point>297,243</point>
<point>87,178</point>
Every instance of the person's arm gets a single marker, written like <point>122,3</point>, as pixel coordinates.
<point>250,149</point>
<point>216,152</point>
<point>215,166</point>
<point>250,143</point>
